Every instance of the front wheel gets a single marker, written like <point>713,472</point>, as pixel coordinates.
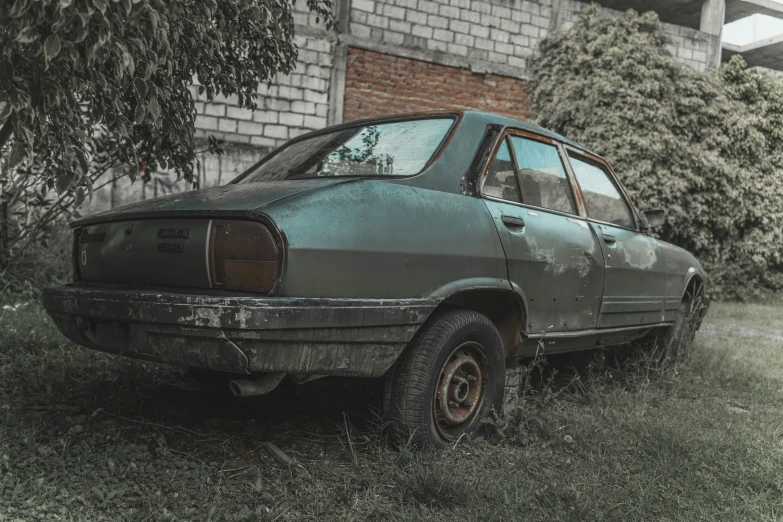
<point>449,378</point>
<point>674,343</point>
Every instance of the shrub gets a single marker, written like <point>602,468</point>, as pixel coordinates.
<point>700,145</point>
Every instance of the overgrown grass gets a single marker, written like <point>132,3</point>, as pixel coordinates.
<point>84,436</point>
<point>43,263</point>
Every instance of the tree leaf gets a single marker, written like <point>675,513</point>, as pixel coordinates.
<point>138,116</point>
<point>78,198</point>
<point>5,111</point>
<point>52,47</point>
<point>62,183</point>
<point>100,5</point>
<point>141,88</point>
<point>27,35</point>
<point>6,69</point>
<point>18,9</point>
<point>17,154</point>
<point>154,109</point>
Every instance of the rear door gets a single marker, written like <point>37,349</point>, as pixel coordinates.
<point>553,255</point>
<point>635,288</point>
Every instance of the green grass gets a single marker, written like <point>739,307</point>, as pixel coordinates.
<point>85,436</point>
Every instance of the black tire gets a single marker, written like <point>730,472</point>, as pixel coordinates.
<point>674,343</point>
<point>464,345</point>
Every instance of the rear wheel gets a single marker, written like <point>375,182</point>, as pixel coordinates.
<point>674,343</point>
<point>449,378</point>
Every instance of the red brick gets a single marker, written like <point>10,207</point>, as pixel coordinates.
<point>380,84</point>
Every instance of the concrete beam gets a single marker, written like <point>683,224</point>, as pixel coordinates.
<point>739,9</point>
<point>688,12</point>
<point>342,14</point>
<point>337,84</point>
<point>475,65</point>
<point>766,53</point>
<point>713,16</point>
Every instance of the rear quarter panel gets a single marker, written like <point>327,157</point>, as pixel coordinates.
<point>381,239</point>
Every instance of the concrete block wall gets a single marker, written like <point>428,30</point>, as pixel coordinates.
<point>497,32</point>
<point>690,46</point>
<point>470,53</point>
<point>289,106</point>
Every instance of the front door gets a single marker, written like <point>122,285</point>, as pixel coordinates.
<point>553,255</point>
<point>636,275</point>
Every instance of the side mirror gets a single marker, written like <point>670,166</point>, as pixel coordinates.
<point>653,218</point>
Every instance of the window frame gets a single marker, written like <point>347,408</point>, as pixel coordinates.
<point>607,169</point>
<point>505,136</point>
<point>488,167</point>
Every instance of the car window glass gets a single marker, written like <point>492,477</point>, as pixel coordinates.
<point>502,181</point>
<point>383,149</point>
<point>604,201</point>
<point>544,181</point>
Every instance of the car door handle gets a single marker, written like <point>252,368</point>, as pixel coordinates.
<point>609,239</point>
<point>513,223</point>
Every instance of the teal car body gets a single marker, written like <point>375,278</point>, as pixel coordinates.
<point>362,260</point>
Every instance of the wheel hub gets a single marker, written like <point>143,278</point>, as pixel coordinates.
<point>460,391</point>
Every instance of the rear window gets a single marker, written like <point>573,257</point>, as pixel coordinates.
<point>401,148</point>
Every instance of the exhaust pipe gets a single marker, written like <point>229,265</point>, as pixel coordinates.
<point>260,386</point>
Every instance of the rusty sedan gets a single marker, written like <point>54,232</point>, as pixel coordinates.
<point>434,250</point>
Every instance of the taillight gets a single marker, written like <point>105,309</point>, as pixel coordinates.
<point>75,255</point>
<point>244,256</point>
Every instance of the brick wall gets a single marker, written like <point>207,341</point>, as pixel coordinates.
<point>378,84</point>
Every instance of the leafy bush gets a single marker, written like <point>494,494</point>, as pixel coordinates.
<point>704,146</point>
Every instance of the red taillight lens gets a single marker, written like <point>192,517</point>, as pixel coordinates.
<point>75,256</point>
<point>244,256</point>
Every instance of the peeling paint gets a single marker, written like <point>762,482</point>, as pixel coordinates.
<point>239,334</point>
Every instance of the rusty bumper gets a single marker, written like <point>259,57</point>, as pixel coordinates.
<point>351,337</point>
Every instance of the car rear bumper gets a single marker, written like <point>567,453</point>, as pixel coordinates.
<point>351,337</point>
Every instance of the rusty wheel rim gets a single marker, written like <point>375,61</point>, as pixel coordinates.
<point>461,390</point>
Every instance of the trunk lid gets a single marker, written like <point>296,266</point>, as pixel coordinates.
<point>226,199</point>
<point>154,252</point>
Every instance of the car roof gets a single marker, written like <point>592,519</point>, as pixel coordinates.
<point>473,118</point>
<point>491,117</point>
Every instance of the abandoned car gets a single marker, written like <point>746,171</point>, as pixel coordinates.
<point>433,249</point>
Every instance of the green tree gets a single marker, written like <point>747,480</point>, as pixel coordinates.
<point>679,139</point>
<point>109,81</point>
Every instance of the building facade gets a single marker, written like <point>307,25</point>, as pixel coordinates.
<point>386,57</point>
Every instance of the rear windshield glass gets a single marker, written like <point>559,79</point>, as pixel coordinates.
<point>384,149</point>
